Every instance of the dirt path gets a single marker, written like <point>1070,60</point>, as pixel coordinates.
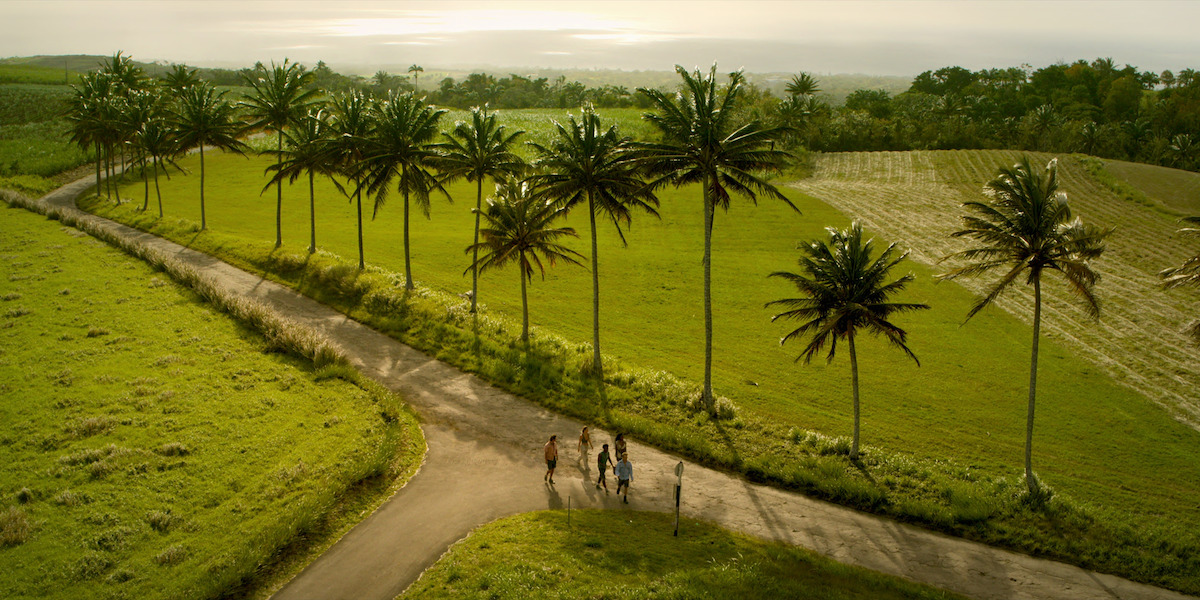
<point>484,462</point>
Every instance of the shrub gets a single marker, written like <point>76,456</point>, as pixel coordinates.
<point>161,520</point>
<point>173,449</point>
<point>172,555</point>
<point>14,527</point>
<point>25,495</point>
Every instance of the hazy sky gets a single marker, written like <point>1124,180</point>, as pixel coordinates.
<point>883,38</point>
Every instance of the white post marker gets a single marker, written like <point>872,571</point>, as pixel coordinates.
<point>678,488</point>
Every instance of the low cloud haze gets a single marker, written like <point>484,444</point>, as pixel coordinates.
<point>886,38</point>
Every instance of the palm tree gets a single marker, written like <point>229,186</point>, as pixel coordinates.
<point>520,228</point>
<point>279,100</point>
<point>401,150</point>
<point>802,85</point>
<point>845,290</point>
<point>307,151</point>
<point>351,127</point>
<point>179,77</point>
<point>1187,273</point>
<point>475,150</point>
<point>86,114</point>
<point>585,162</point>
<point>701,143</point>
<point>1026,229</point>
<point>416,71</point>
<point>156,142</point>
<point>202,117</point>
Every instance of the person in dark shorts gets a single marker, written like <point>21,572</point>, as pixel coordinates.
<point>624,472</point>
<point>551,451</point>
<point>602,461</point>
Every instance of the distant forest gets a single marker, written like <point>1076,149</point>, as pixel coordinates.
<point>1094,107</point>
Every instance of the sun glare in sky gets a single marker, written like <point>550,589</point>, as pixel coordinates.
<point>899,37</point>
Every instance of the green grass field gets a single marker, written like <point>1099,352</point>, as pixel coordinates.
<point>623,554</point>
<point>154,448</point>
<point>34,137</point>
<point>964,405</point>
<point>11,72</point>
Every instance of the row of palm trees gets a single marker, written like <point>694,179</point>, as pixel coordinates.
<point>397,144</point>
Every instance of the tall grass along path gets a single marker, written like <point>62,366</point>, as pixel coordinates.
<point>484,462</point>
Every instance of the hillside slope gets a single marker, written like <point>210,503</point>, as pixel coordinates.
<point>915,196</point>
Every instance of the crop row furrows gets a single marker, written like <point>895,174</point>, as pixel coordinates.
<point>1139,343</point>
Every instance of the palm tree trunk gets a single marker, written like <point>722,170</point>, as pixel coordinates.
<point>312,214</point>
<point>597,366</point>
<point>146,184</point>
<point>475,255</point>
<point>279,196</point>
<point>99,159</point>
<point>854,385</point>
<point>358,201</point>
<point>157,191</point>
<point>203,222</point>
<point>524,300</point>
<point>706,396</point>
<point>108,171</point>
<point>1037,325</point>
<point>408,281</point>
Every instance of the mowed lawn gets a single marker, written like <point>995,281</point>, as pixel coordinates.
<point>1096,441</point>
<point>152,447</point>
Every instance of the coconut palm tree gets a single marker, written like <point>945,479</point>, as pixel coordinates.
<point>702,143</point>
<point>1188,273</point>
<point>202,117</point>
<point>1026,229</point>
<point>844,292</point>
<point>401,151</point>
<point>802,85</point>
<point>586,163</point>
<point>520,229</point>
<point>306,150</point>
<point>475,150</point>
<point>416,71</point>
<point>279,100</point>
<point>179,77</point>
<point>352,122</point>
<point>86,114</point>
<point>156,142</point>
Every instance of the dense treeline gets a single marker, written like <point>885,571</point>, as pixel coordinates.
<point>1094,108</point>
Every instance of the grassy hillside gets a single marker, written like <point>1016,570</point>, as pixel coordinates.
<point>623,554</point>
<point>964,404</point>
<point>31,73</point>
<point>915,197</point>
<point>152,447</point>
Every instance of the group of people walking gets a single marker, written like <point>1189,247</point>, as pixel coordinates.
<point>621,468</point>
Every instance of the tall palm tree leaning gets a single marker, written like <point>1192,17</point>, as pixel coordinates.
<point>401,150</point>
<point>702,143</point>
<point>587,163</point>
<point>352,122</point>
<point>279,100</point>
<point>202,117</point>
<point>1187,273</point>
<point>307,151</point>
<point>520,229</point>
<point>475,150</point>
<point>845,290</point>
<point>1026,229</point>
